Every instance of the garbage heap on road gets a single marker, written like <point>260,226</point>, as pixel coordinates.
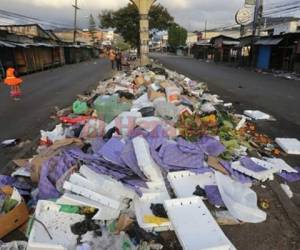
<point>149,151</point>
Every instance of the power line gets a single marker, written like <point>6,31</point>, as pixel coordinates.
<point>21,17</point>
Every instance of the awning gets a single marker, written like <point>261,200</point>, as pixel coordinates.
<point>6,44</point>
<point>269,41</point>
<point>231,43</point>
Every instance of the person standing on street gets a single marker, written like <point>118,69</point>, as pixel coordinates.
<point>14,82</point>
<point>112,57</point>
<point>119,58</point>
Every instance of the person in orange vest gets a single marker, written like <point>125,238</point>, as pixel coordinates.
<point>14,83</point>
<point>112,57</point>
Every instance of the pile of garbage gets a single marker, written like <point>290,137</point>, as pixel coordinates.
<point>148,151</point>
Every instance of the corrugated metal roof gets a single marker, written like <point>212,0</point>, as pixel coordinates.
<point>6,44</point>
<point>269,41</point>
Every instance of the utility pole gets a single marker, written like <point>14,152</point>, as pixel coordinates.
<point>75,6</point>
<point>258,14</point>
<point>205,29</point>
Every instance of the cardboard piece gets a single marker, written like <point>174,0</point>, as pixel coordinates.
<point>13,219</point>
<point>123,223</point>
<point>37,161</point>
<point>215,164</point>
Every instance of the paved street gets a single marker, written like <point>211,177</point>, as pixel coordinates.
<point>248,90</point>
<point>41,93</point>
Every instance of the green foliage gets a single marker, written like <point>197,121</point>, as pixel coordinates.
<point>126,21</point>
<point>177,35</point>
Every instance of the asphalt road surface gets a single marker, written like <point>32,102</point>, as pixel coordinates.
<point>41,93</point>
<point>247,90</point>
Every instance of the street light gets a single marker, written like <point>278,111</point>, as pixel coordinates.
<point>144,8</point>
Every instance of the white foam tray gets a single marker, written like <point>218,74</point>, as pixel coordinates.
<point>268,174</point>
<point>58,225</point>
<point>194,225</point>
<point>289,145</point>
<point>184,182</point>
<point>142,208</point>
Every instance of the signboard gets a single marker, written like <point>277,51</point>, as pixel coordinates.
<point>243,16</point>
<point>250,2</point>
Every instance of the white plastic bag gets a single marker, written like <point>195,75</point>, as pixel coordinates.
<point>240,200</point>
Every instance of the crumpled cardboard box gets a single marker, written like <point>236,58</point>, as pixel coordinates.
<point>13,219</point>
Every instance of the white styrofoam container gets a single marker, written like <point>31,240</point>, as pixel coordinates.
<point>289,145</point>
<point>146,163</point>
<point>184,182</point>
<point>194,225</point>
<point>106,184</point>
<point>104,213</point>
<point>58,225</point>
<point>142,208</point>
<point>281,165</point>
<point>257,115</point>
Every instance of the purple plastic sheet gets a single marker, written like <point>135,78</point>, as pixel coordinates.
<point>182,155</point>
<point>211,146</point>
<point>235,174</point>
<point>251,165</point>
<point>23,187</point>
<point>51,171</point>
<point>214,196</point>
<point>97,144</point>
<point>112,150</point>
<point>290,177</point>
<point>129,158</point>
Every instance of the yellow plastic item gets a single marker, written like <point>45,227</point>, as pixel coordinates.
<point>151,219</point>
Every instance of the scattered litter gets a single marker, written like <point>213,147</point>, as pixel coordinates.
<point>10,143</point>
<point>257,115</point>
<point>287,190</point>
<point>140,155</point>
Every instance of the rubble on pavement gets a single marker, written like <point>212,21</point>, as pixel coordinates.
<point>146,152</point>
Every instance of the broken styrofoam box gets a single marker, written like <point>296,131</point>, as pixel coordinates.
<point>274,163</point>
<point>106,184</point>
<point>184,183</point>
<point>154,187</point>
<point>257,115</point>
<point>147,165</point>
<point>240,200</point>
<point>58,225</point>
<point>289,145</point>
<point>92,195</point>
<point>142,209</point>
<point>104,213</point>
<point>265,175</point>
<point>194,225</point>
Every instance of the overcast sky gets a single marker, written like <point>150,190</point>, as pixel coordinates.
<point>189,13</point>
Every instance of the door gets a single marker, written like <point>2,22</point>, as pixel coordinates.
<point>264,55</point>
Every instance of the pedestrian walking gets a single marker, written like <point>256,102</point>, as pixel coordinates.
<point>14,82</point>
<point>119,58</point>
<point>112,57</point>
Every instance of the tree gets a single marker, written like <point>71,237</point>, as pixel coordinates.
<point>92,27</point>
<point>177,36</point>
<point>126,21</point>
